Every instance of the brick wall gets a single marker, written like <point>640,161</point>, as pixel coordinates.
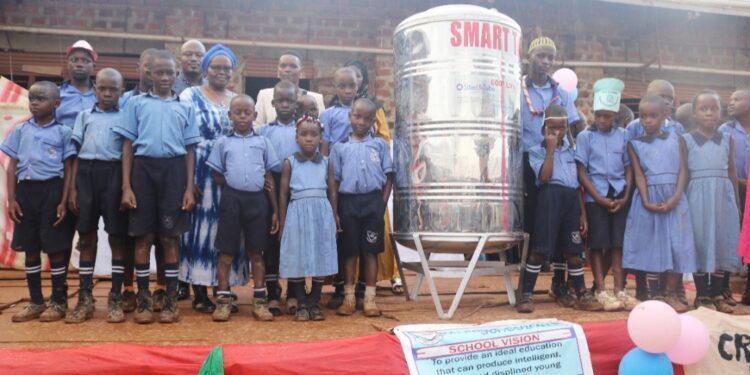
<point>584,30</point>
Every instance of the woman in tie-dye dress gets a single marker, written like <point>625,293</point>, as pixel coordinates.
<point>198,257</point>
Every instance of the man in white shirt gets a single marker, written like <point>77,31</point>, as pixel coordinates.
<point>289,69</point>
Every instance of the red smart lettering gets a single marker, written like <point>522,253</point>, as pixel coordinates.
<point>471,34</point>
<point>456,32</point>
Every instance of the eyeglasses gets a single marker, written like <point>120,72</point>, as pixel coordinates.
<point>220,68</point>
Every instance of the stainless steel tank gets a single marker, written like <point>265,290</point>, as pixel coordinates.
<point>457,146</point>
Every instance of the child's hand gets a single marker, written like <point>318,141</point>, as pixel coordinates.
<point>60,214</point>
<point>617,205</point>
<point>14,211</point>
<point>127,202</point>
<point>268,185</point>
<point>73,201</point>
<point>338,225</point>
<point>188,200</point>
<point>550,140</point>
<point>274,223</point>
<point>584,226</point>
<point>670,205</point>
<point>606,203</point>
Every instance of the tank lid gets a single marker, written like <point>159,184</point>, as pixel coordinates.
<point>456,12</point>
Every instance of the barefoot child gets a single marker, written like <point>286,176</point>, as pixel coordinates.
<point>96,192</point>
<point>310,223</point>
<point>658,232</point>
<point>364,176</point>
<point>605,173</point>
<point>40,152</point>
<point>157,179</point>
<point>560,220</point>
<point>241,163</point>
<point>712,196</point>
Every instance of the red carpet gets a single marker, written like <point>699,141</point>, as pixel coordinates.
<point>376,354</point>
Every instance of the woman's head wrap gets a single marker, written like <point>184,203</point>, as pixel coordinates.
<point>217,50</point>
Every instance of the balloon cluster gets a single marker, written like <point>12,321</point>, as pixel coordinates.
<point>662,336</point>
<point>568,80</point>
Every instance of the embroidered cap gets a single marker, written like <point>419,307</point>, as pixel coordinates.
<point>82,45</point>
<point>607,93</point>
<point>542,41</point>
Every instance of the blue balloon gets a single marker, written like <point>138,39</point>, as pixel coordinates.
<point>639,362</point>
<point>574,94</point>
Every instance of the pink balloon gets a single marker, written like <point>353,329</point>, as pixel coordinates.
<point>654,326</point>
<point>692,344</point>
<point>566,78</point>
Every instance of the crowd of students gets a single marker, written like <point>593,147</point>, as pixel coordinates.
<point>644,197</point>
<point>195,175</point>
<point>181,163</point>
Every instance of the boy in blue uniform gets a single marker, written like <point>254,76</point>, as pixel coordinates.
<point>40,152</point>
<point>281,132</point>
<point>241,163</point>
<point>157,179</point>
<point>605,174</point>
<point>664,89</point>
<point>363,170</point>
<point>540,90</point>
<point>560,221</point>
<point>77,94</point>
<point>335,119</point>
<point>739,130</point>
<point>95,192</point>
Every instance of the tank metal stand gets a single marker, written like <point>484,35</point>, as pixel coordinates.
<point>429,269</point>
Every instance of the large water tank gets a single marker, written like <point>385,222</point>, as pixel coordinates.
<point>457,146</point>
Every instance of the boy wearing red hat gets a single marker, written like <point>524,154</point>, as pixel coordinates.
<point>77,93</point>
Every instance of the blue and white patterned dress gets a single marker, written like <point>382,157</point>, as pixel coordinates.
<point>655,241</point>
<point>308,244</point>
<point>198,257</point>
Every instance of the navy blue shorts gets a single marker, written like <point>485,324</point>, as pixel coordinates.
<point>606,230</point>
<point>39,201</point>
<point>363,224</point>
<point>99,187</point>
<point>557,221</point>
<point>159,185</point>
<point>242,213</point>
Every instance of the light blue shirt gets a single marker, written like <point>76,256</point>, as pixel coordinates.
<point>542,97</point>
<point>94,133</point>
<point>564,170</point>
<point>40,150</point>
<point>635,128</point>
<point>72,102</point>
<point>159,128</point>
<point>605,156</point>
<point>336,125</point>
<point>283,138</point>
<point>361,166</point>
<point>243,160</point>
<point>127,96</point>
<point>741,146</point>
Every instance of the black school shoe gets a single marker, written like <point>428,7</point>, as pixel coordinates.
<point>201,302</point>
<point>183,291</point>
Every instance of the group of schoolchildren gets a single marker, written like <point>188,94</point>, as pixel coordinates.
<point>319,183</point>
<point>644,198</point>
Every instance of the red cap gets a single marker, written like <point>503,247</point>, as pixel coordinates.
<point>82,45</point>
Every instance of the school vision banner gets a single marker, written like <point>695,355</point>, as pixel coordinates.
<point>507,347</point>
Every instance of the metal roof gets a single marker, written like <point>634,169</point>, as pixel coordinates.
<point>739,8</point>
